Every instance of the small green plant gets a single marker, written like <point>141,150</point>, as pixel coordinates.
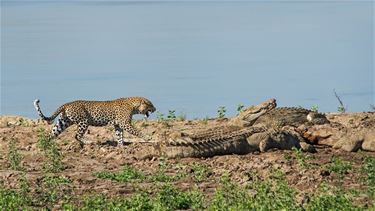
<point>200,172</point>
<point>266,194</point>
<point>315,108</point>
<point>11,200</point>
<point>221,112</point>
<point>14,156</point>
<point>301,157</point>
<point>331,199</point>
<point>171,115</point>
<point>171,198</point>
<point>51,189</point>
<point>160,175</point>
<point>159,116</point>
<point>24,187</point>
<point>368,170</point>
<point>127,174</point>
<point>53,162</point>
<point>339,166</point>
<point>341,109</point>
<point>137,202</point>
<point>240,108</point>
<point>15,199</point>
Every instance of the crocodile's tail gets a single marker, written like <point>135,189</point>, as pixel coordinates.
<point>48,119</point>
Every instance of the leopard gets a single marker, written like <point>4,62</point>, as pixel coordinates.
<point>84,113</point>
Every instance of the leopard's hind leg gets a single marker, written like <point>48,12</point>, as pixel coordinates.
<point>119,135</point>
<point>62,123</point>
<point>82,128</point>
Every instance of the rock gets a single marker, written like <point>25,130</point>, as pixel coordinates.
<point>322,134</point>
<point>307,147</point>
<point>351,143</point>
<point>369,141</point>
<point>279,140</point>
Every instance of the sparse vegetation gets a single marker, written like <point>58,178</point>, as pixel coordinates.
<point>301,157</point>
<point>315,108</point>
<point>339,166</point>
<point>51,189</point>
<point>14,157</point>
<point>341,108</point>
<point>171,115</point>
<point>221,112</point>
<point>53,157</point>
<point>200,172</point>
<point>127,174</point>
<point>240,108</point>
<point>331,199</point>
<point>368,170</point>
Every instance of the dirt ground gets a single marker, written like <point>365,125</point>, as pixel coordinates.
<point>304,173</point>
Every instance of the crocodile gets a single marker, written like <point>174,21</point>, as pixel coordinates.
<point>228,138</point>
<point>291,116</point>
<point>284,130</point>
<point>257,128</point>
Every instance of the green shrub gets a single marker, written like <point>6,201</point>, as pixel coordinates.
<point>240,108</point>
<point>14,157</point>
<point>221,112</point>
<point>171,115</point>
<point>315,108</point>
<point>53,162</point>
<point>50,189</point>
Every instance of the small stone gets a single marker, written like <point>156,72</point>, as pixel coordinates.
<point>324,173</point>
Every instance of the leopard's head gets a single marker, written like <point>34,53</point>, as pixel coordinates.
<point>143,106</point>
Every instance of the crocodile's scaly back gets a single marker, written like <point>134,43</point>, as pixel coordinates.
<point>291,116</point>
<point>233,142</point>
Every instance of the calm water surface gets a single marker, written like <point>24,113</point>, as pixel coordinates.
<point>187,56</point>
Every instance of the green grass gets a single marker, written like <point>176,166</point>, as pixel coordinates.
<point>270,194</point>
<point>11,200</point>
<point>51,189</point>
<point>127,174</point>
<point>167,198</point>
<point>368,171</point>
<point>301,157</point>
<point>339,166</point>
<point>331,198</point>
<point>200,172</point>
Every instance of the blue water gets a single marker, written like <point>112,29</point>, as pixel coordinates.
<point>188,56</point>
